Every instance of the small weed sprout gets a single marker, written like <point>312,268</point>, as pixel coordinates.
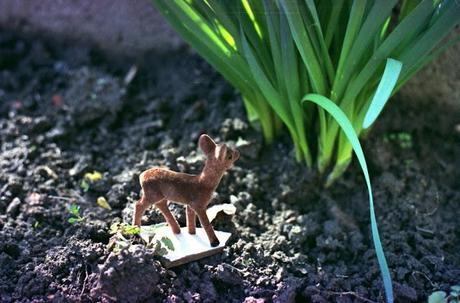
<point>455,294</point>
<point>123,236</point>
<point>442,297</point>
<point>121,233</point>
<point>75,216</point>
<point>438,297</point>
<point>403,139</point>
<point>160,247</point>
<point>88,179</point>
<point>124,229</point>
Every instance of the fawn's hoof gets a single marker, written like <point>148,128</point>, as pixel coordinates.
<point>215,243</point>
<point>175,230</point>
<point>192,232</point>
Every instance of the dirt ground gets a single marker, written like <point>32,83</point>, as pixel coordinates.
<point>65,111</point>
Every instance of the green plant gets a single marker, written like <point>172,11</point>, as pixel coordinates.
<point>438,297</point>
<point>122,237</point>
<point>90,178</point>
<point>276,51</point>
<point>74,211</point>
<point>124,229</point>
<point>442,297</point>
<point>455,294</point>
<point>404,140</point>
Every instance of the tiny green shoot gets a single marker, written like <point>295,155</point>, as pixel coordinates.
<point>438,297</point>
<point>167,242</point>
<point>75,216</point>
<point>402,139</point>
<point>122,237</point>
<point>124,229</point>
<point>455,294</point>
<point>88,179</point>
<point>442,297</point>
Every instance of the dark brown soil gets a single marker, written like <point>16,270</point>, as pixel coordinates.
<point>65,111</point>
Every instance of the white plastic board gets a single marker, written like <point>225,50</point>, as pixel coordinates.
<point>187,247</point>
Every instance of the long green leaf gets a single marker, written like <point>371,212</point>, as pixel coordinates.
<point>374,19</point>
<point>267,89</point>
<point>349,131</point>
<point>383,92</point>
<point>232,66</point>
<point>323,51</point>
<point>410,25</point>
<point>328,135</point>
<point>292,85</point>
<point>334,18</point>
<point>304,45</point>
<point>413,55</point>
<point>273,32</point>
<point>427,60</point>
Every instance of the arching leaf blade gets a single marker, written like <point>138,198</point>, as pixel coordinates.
<point>384,89</point>
<point>349,131</point>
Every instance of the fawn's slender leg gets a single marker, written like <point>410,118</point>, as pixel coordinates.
<point>139,209</point>
<point>201,213</point>
<point>172,222</point>
<point>191,220</point>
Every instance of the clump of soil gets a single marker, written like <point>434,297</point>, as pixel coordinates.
<point>64,112</point>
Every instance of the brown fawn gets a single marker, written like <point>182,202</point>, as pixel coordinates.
<point>161,185</point>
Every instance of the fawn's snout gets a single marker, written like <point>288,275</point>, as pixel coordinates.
<point>226,156</point>
<point>234,155</point>
<point>218,155</point>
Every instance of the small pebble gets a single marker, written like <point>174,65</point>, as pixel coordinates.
<point>13,207</point>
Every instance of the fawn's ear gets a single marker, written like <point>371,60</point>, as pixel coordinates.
<point>206,144</point>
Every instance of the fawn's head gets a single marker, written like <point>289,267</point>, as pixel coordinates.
<point>219,156</point>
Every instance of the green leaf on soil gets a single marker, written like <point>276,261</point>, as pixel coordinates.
<point>89,178</point>
<point>455,288</point>
<point>114,227</point>
<point>168,243</point>
<point>74,209</point>
<point>131,229</point>
<point>124,229</point>
<point>93,177</point>
<point>84,185</point>
<point>437,297</point>
<point>383,92</point>
<point>147,232</point>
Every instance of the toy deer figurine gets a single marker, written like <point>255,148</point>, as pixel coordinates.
<point>195,191</point>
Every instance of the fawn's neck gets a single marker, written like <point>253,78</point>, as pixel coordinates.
<point>210,177</point>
